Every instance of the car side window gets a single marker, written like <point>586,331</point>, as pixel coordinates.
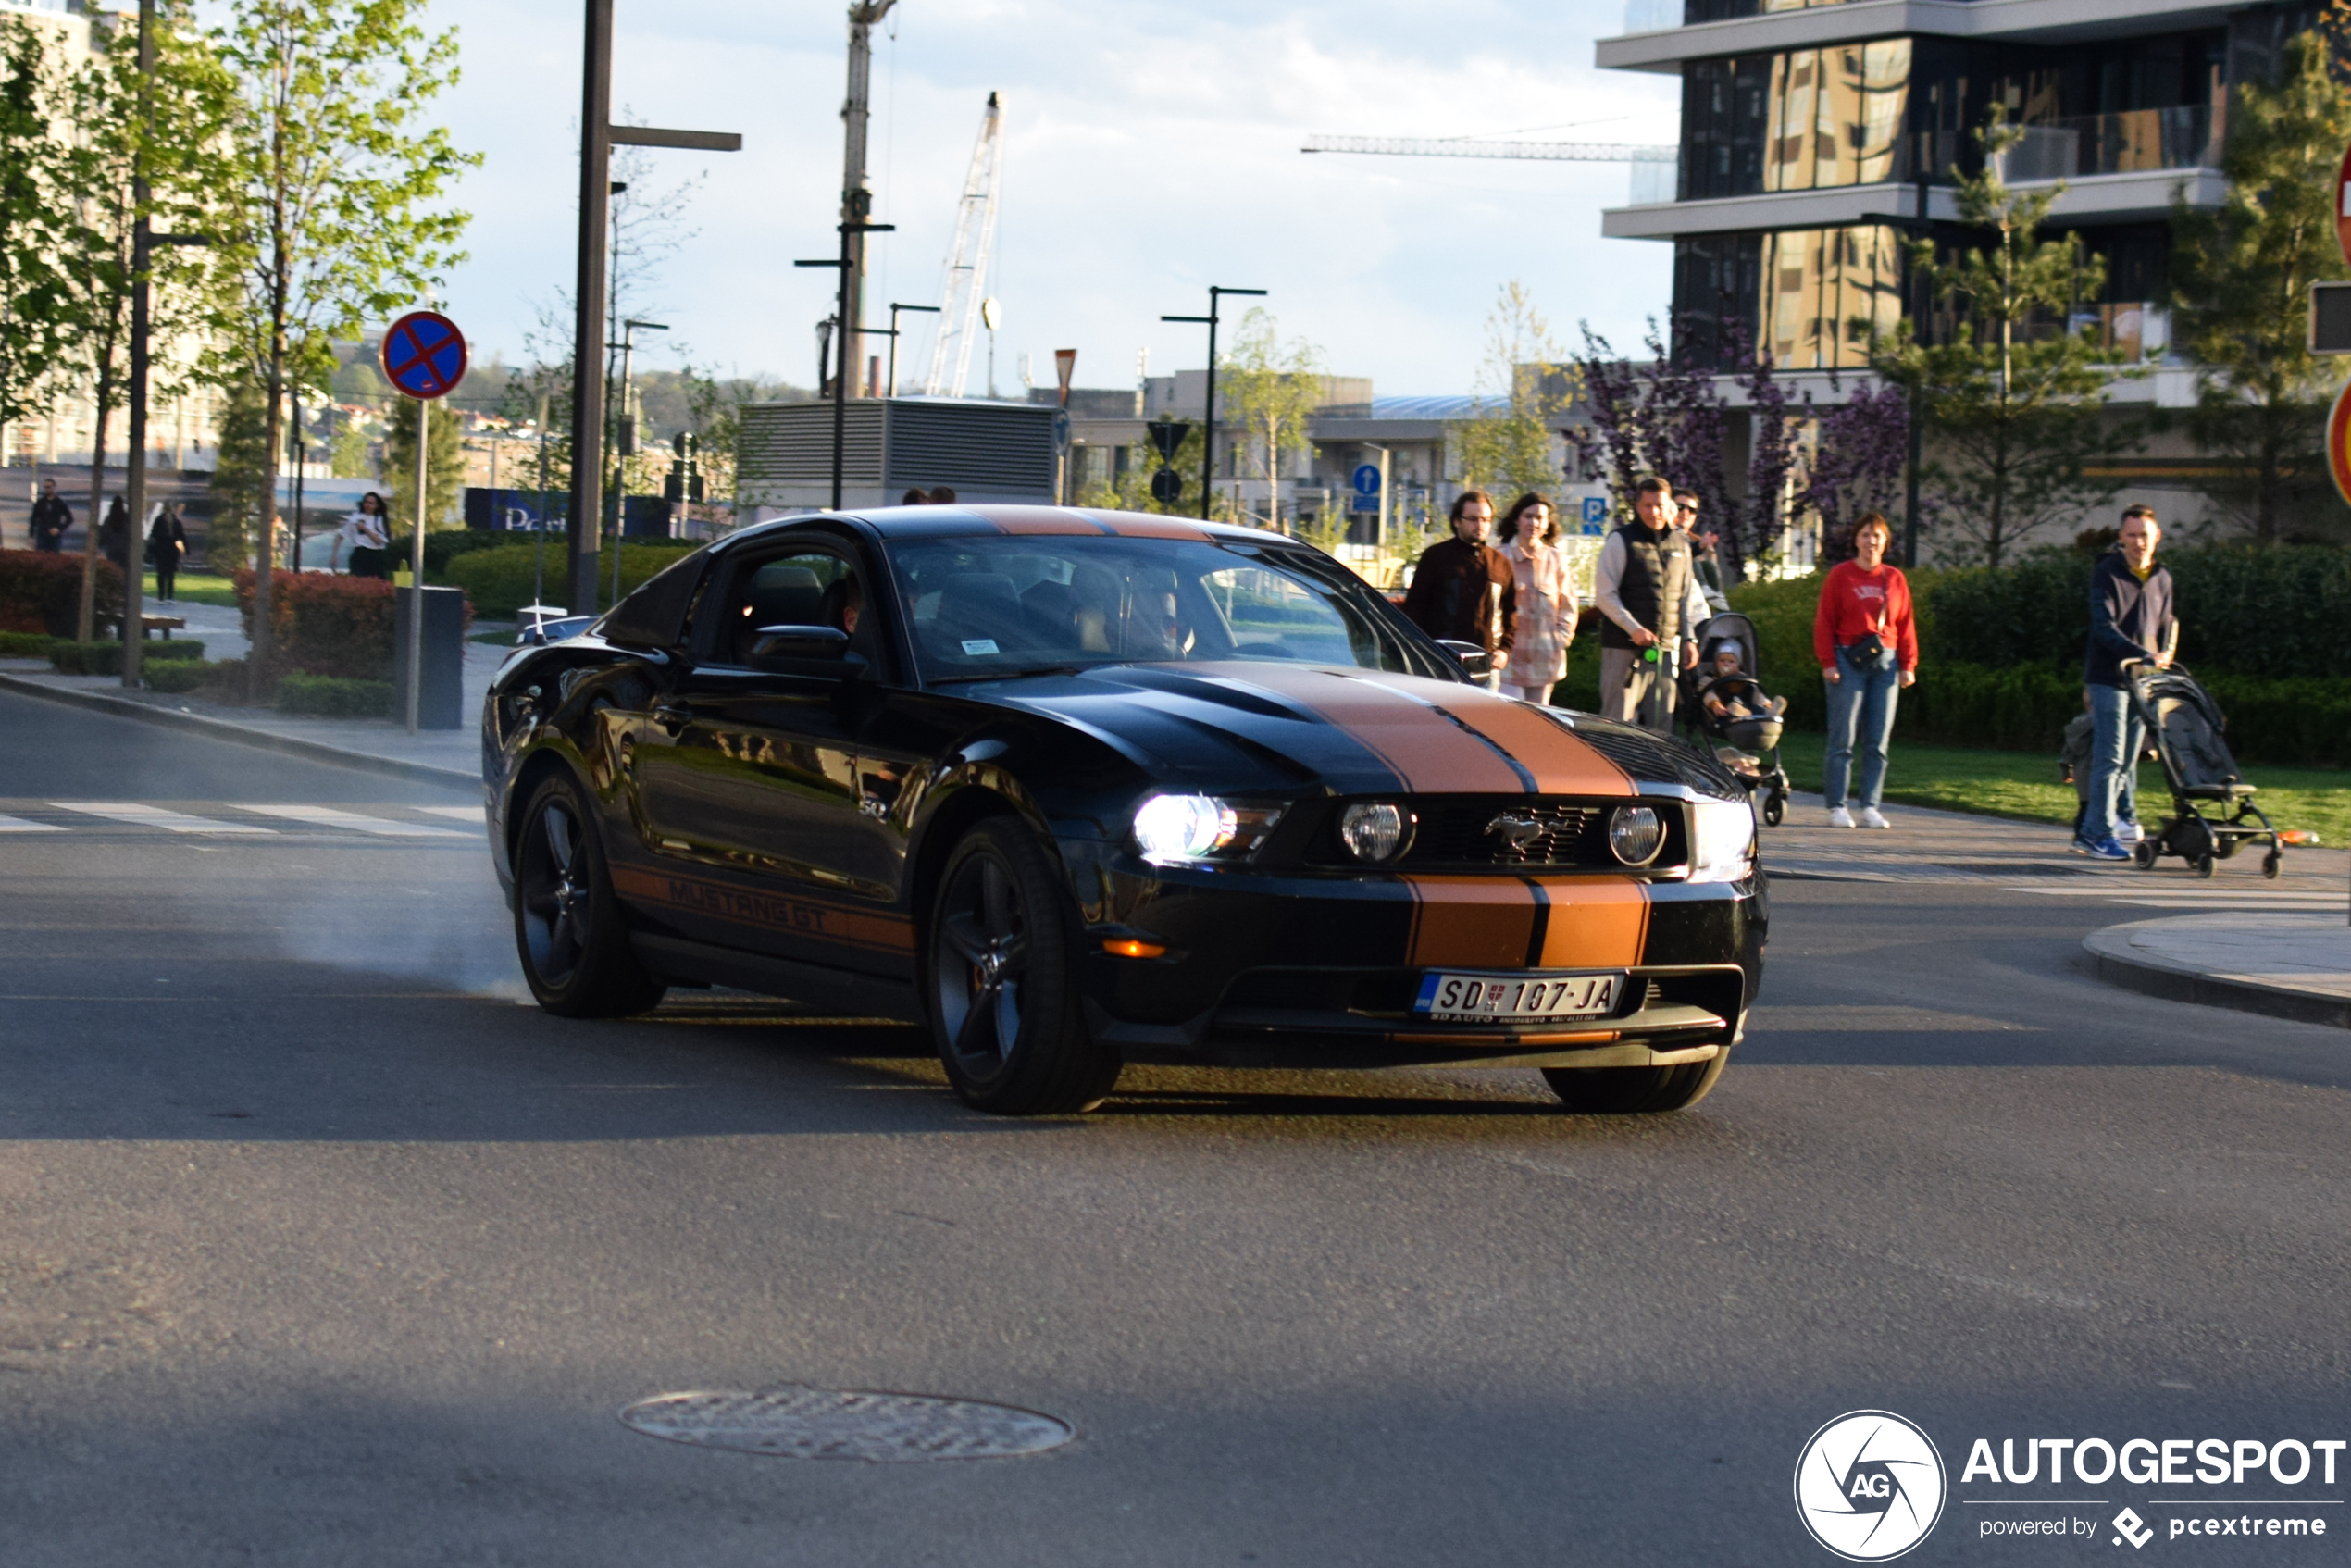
<point>800,586</point>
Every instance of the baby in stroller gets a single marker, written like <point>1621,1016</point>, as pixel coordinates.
<point>1732,709</point>
<point>1731,696</point>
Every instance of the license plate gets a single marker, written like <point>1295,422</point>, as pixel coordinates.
<point>1515,998</point>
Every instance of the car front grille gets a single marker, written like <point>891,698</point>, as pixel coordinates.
<point>1507,831</point>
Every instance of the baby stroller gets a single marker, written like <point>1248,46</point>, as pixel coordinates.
<point>2186,729</point>
<point>1748,747</point>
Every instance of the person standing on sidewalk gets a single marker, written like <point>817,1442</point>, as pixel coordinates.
<point>1867,641</point>
<point>365,533</point>
<point>1544,620</point>
<point>1648,598</point>
<point>166,546</point>
<point>1464,589</point>
<point>113,534</point>
<point>51,517</point>
<point>2130,622</point>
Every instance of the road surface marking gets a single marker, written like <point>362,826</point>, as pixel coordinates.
<point>455,813</point>
<point>18,825</point>
<point>157,816</point>
<point>328,816</point>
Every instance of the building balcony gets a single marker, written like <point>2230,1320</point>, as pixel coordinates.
<point>2129,143</point>
<point>1659,36</point>
<point>2129,196</point>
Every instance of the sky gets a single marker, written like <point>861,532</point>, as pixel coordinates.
<point>1152,151</point>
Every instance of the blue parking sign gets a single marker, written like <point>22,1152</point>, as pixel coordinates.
<point>1595,514</point>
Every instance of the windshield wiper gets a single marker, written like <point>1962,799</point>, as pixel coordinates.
<point>1013,674</point>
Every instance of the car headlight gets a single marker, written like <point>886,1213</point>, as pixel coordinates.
<point>1721,841</point>
<point>1176,828</point>
<point>1374,831</point>
<point>1635,834</point>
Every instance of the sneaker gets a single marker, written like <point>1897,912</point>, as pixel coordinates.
<point>1872,818</point>
<point>2104,849</point>
<point>2128,833</point>
<point>1840,818</point>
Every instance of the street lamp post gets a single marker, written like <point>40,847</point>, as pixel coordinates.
<point>894,309</point>
<point>851,235</point>
<point>1208,423</point>
<point>624,446</point>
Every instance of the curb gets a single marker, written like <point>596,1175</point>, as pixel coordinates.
<point>2113,960</point>
<point>218,729</point>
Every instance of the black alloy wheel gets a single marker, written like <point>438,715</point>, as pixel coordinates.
<point>1003,1010</point>
<point>568,927</point>
<point>1626,1091</point>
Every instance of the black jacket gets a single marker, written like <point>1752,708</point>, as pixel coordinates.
<point>51,517</point>
<point>1466,592</point>
<point>2129,619</point>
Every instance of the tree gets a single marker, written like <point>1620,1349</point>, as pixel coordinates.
<point>2015,400</point>
<point>1131,492</point>
<point>35,303</point>
<point>2241,276</point>
<point>123,127</point>
<point>1525,387</point>
<point>1858,451</point>
<point>333,216</point>
<point>242,467</point>
<point>445,468</point>
<point>1269,390</point>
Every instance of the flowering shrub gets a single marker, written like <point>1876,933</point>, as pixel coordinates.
<point>325,624</point>
<point>40,591</point>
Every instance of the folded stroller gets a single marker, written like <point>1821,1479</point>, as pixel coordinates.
<point>1750,747</point>
<point>2187,729</point>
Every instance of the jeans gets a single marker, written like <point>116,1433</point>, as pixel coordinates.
<point>2116,740</point>
<point>1861,707</point>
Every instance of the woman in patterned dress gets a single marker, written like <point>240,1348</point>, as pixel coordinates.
<point>1545,603</point>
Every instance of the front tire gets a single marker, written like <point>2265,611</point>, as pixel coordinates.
<point>568,928</point>
<point>1635,1091</point>
<point>1004,1012</point>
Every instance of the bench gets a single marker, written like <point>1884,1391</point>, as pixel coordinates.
<point>165,624</point>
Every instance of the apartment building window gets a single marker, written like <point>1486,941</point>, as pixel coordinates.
<point>1803,120</point>
<point>1722,127</point>
<point>1714,296</point>
<point>1826,293</point>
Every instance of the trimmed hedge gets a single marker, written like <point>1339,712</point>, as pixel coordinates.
<point>498,582</point>
<point>25,644</point>
<point>69,657</point>
<point>178,675</point>
<point>179,648</point>
<point>444,545</point>
<point>328,696</point>
<point>42,593</point>
<point>325,624</point>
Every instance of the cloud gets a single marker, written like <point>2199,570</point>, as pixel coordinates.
<point>1152,150</point>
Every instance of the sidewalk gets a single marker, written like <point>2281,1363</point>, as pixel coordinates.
<point>2289,965</point>
<point>440,757</point>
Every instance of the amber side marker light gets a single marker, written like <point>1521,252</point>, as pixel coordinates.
<point>1128,947</point>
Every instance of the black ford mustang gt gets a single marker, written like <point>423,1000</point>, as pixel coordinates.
<point>1078,789</point>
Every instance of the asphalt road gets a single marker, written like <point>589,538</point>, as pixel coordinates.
<point>318,1246</point>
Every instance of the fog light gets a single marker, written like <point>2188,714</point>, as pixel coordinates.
<point>1635,834</point>
<point>1373,832</point>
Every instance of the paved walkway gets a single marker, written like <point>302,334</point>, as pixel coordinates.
<point>2288,965</point>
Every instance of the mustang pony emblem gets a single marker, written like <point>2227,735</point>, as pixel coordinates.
<point>1517,831</point>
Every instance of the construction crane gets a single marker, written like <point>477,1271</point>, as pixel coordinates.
<point>1460,147</point>
<point>965,287</point>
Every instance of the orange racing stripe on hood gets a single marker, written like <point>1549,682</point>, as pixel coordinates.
<point>1562,760</point>
<point>1598,923</point>
<point>1429,752</point>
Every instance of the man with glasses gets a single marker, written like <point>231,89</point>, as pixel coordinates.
<point>1464,588</point>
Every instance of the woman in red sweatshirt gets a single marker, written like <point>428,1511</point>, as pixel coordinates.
<point>1868,646</point>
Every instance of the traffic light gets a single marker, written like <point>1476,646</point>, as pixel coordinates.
<point>685,482</point>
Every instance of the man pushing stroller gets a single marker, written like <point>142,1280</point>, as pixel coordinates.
<point>2130,622</point>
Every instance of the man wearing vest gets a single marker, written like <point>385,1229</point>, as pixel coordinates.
<point>1649,598</point>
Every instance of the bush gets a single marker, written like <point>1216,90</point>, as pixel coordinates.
<point>328,696</point>
<point>443,545</point>
<point>178,675</point>
<point>326,625</point>
<point>25,644</point>
<point>42,593</point>
<point>226,683</point>
<point>498,582</point>
<point>181,648</point>
<point>2022,708</point>
<point>69,657</point>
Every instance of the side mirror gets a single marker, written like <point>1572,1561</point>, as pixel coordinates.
<point>800,644</point>
<point>1475,659</point>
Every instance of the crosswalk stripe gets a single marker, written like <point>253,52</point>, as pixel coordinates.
<point>18,825</point>
<point>328,816</point>
<point>455,813</point>
<point>157,816</point>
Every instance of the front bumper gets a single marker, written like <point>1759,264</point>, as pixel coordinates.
<point>1307,970</point>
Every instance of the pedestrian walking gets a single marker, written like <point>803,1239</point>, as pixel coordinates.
<point>2132,621</point>
<point>1464,589</point>
<point>113,534</point>
<point>166,546</point>
<point>361,539</point>
<point>51,517</point>
<point>1545,615</point>
<point>1650,610</point>
<point>1867,641</point>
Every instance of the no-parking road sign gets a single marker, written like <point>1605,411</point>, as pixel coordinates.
<point>424,354</point>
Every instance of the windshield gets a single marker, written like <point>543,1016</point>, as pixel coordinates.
<point>1002,606</point>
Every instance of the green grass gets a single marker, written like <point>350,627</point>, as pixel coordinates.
<point>2024,784</point>
<point>196,588</point>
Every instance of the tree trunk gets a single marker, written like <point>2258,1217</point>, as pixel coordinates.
<point>86,626</point>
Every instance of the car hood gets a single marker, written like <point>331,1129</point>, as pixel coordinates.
<point>1258,725</point>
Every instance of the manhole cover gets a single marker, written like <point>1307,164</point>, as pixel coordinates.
<point>797,1421</point>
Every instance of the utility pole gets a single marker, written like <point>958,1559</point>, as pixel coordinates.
<point>1923,329</point>
<point>624,438</point>
<point>598,135</point>
<point>1208,425</point>
<point>842,337</point>
<point>856,190</point>
<point>894,309</point>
